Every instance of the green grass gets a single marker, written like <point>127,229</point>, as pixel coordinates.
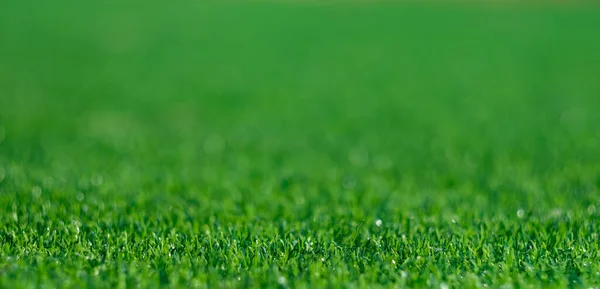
<point>299,145</point>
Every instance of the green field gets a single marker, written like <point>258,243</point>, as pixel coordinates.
<point>192,144</point>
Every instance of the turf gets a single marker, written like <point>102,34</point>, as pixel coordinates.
<point>204,145</point>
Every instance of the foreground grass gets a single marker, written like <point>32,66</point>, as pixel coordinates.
<point>266,145</point>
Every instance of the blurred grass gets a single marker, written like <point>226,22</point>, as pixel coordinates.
<point>190,112</point>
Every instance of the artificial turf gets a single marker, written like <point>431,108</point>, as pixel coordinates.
<point>302,145</point>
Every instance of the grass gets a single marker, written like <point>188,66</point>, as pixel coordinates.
<point>211,145</point>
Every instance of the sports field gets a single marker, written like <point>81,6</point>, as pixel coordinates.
<point>199,144</point>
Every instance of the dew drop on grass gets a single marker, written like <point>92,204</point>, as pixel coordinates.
<point>48,182</point>
<point>444,286</point>
<point>79,196</point>
<point>214,144</point>
<point>349,183</point>
<point>97,180</point>
<point>36,191</point>
<point>556,213</point>
<point>520,213</point>
<point>281,280</point>
<point>383,162</point>
<point>358,158</point>
<point>378,223</point>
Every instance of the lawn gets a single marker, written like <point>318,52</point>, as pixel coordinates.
<point>198,144</point>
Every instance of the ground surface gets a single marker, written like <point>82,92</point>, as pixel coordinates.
<point>299,145</point>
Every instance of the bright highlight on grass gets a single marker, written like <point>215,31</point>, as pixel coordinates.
<point>295,145</point>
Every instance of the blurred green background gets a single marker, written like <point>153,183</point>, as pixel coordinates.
<point>194,89</point>
<point>122,111</point>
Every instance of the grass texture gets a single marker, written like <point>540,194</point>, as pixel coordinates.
<point>198,144</point>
